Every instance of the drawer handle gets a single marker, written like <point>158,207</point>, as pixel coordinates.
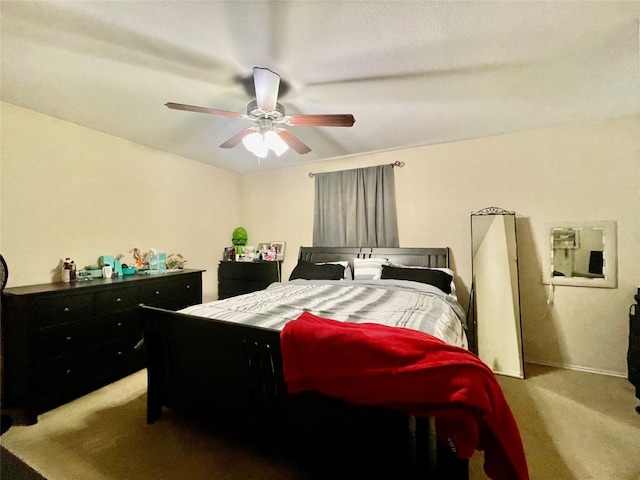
<point>67,309</point>
<point>157,292</point>
<point>188,287</point>
<point>120,353</point>
<point>68,338</point>
<point>119,324</point>
<point>68,372</point>
<point>118,299</point>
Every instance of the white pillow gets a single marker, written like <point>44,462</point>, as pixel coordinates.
<point>368,268</point>
<point>347,269</point>
<point>442,269</point>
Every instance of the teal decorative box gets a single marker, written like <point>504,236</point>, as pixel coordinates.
<point>104,259</point>
<point>158,262</point>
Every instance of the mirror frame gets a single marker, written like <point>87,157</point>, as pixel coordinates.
<point>609,253</point>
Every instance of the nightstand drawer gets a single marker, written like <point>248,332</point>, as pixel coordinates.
<point>247,270</point>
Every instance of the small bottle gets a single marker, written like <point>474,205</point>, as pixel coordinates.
<point>107,270</point>
<point>66,270</point>
<point>72,271</point>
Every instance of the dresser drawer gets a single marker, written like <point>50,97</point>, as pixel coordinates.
<point>68,373</point>
<point>123,356</point>
<point>155,292</point>
<point>116,300</point>
<point>172,291</point>
<point>187,286</point>
<point>62,340</point>
<point>59,309</point>
<point>123,325</point>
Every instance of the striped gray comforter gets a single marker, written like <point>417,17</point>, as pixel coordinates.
<point>397,303</point>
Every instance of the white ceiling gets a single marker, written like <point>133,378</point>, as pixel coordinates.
<point>412,73</point>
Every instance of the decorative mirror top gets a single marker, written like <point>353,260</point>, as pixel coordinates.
<point>493,211</point>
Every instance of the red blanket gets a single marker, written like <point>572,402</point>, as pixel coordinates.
<point>412,372</point>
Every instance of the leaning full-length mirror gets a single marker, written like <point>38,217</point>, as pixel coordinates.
<point>496,292</point>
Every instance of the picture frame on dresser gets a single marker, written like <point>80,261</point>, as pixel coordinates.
<point>279,246</point>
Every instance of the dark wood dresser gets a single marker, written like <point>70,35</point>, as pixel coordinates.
<point>63,340</point>
<point>236,278</point>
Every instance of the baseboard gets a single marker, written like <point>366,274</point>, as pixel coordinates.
<point>578,368</point>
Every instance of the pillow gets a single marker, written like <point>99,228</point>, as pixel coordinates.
<point>437,278</point>
<point>368,268</point>
<point>442,269</point>
<point>345,264</point>
<point>311,271</point>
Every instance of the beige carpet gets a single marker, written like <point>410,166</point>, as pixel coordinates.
<point>574,425</point>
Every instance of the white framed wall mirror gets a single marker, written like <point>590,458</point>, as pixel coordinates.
<point>581,254</point>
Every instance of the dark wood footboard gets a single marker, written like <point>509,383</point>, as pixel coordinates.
<point>230,376</point>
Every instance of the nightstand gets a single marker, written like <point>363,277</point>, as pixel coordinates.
<point>236,278</point>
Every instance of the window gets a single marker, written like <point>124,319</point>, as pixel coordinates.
<point>356,208</point>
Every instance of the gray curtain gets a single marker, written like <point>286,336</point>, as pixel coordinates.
<point>356,208</point>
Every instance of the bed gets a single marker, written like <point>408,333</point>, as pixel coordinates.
<point>226,362</point>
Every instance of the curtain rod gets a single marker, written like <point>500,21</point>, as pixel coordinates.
<point>397,163</point>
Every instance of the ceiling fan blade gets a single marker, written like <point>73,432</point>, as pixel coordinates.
<point>212,111</point>
<point>293,142</point>
<point>237,138</point>
<point>267,85</point>
<point>321,120</point>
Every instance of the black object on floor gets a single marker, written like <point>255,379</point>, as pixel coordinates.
<point>12,468</point>
<point>5,423</point>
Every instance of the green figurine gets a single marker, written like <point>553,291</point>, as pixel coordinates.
<point>239,240</point>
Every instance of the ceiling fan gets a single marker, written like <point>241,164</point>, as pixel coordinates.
<point>269,118</point>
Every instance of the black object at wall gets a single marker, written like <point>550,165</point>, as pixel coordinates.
<point>633,354</point>
<point>596,262</point>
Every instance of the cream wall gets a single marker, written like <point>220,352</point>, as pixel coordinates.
<point>578,173</point>
<point>71,191</point>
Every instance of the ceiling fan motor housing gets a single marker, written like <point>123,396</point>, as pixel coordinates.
<point>256,113</point>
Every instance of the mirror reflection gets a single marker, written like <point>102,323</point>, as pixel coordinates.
<point>582,254</point>
<point>578,252</point>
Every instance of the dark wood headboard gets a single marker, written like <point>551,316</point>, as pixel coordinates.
<point>417,257</point>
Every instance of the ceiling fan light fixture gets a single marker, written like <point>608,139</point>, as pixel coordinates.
<point>275,143</point>
<point>260,143</point>
<point>254,142</point>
